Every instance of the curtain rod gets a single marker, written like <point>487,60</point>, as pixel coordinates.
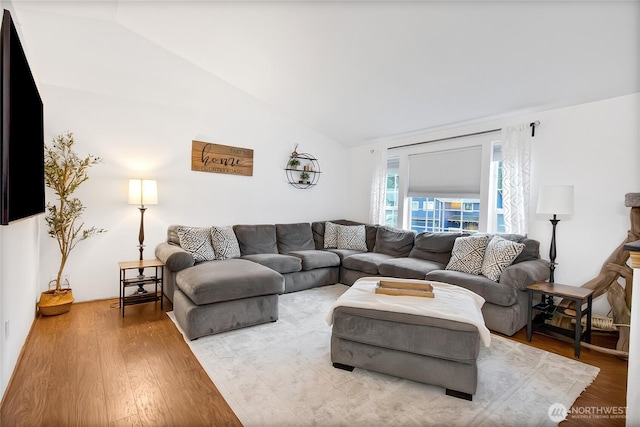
<point>532,124</point>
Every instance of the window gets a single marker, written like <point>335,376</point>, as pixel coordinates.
<point>496,187</point>
<point>454,186</point>
<point>391,195</point>
<point>449,182</point>
<point>444,214</point>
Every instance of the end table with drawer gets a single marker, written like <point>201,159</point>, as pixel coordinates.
<point>579,295</point>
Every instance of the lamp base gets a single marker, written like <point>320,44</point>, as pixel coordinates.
<point>552,255</point>
<point>140,291</point>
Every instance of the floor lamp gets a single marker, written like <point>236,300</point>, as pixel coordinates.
<point>142,192</point>
<point>555,200</point>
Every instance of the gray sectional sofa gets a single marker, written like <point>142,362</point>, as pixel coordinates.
<point>222,294</point>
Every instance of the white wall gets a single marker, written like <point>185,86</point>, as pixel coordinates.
<point>140,118</point>
<point>19,275</point>
<point>145,108</point>
<point>595,147</point>
<point>161,149</point>
<point>19,278</point>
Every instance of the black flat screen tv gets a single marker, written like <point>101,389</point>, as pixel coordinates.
<point>22,144</point>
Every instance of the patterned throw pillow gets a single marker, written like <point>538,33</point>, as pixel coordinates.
<point>468,253</point>
<point>197,242</point>
<point>499,255</point>
<point>352,237</point>
<point>330,235</point>
<point>225,243</point>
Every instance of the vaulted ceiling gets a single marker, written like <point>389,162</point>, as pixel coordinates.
<point>359,71</point>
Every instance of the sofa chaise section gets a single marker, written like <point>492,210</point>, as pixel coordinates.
<point>218,296</point>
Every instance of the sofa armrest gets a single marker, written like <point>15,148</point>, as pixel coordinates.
<point>174,257</point>
<point>524,273</point>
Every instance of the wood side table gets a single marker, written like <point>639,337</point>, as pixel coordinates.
<point>140,280</point>
<point>576,294</point>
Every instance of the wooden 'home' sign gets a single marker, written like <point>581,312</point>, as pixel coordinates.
<point>216,158</point>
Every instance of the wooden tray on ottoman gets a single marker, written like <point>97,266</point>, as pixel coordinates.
<point>392,287</point>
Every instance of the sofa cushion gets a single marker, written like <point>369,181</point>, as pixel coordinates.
<point>492,292</point>
<point>499,254</point>
<point>530,252</point>
<point>196,241</point>
<point>394,242</point>
<point>231,279</point>
<point>281,263</point>
<point>408,268</point>
<point>172,234</point>
<point>294,237</point>
<point>468,253</point>
<point>434,246</point>
<point>367,262</point>
<point>256,239</point>
<point>316,259</point>
<point>343,253</point>
<point>531,249</point>
<point>225,243</point>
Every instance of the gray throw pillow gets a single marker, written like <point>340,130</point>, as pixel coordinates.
<point>197,242</point>
<point>499,254</point>
<point>468,253</point>
<point>225,243</point>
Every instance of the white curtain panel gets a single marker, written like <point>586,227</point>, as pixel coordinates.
<point>378,185</point>
<point>516,172</point>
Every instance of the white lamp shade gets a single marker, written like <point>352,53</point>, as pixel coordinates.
<point>143,192</point>
<point>555,200</point>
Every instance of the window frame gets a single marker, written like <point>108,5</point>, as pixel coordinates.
<point>486,220</point>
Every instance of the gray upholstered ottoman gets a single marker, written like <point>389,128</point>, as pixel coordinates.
<point>218,296</point>
<point>424,348</point>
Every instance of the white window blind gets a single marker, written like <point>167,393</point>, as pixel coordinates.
<point>448,173</point>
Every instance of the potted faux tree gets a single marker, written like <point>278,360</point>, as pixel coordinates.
<point>64,171</point>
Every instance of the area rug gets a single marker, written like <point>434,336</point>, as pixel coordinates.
<point>280,374</point>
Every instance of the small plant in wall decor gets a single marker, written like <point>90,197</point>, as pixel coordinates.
<point>304,177</point>
<point>64,172</point>
<point>294,163</point>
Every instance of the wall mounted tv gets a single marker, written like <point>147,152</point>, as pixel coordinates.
<point>22,144</point>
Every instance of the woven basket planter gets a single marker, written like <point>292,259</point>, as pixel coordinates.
<point>53,303</point>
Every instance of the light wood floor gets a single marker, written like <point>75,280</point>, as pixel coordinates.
<point>91,367</point>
